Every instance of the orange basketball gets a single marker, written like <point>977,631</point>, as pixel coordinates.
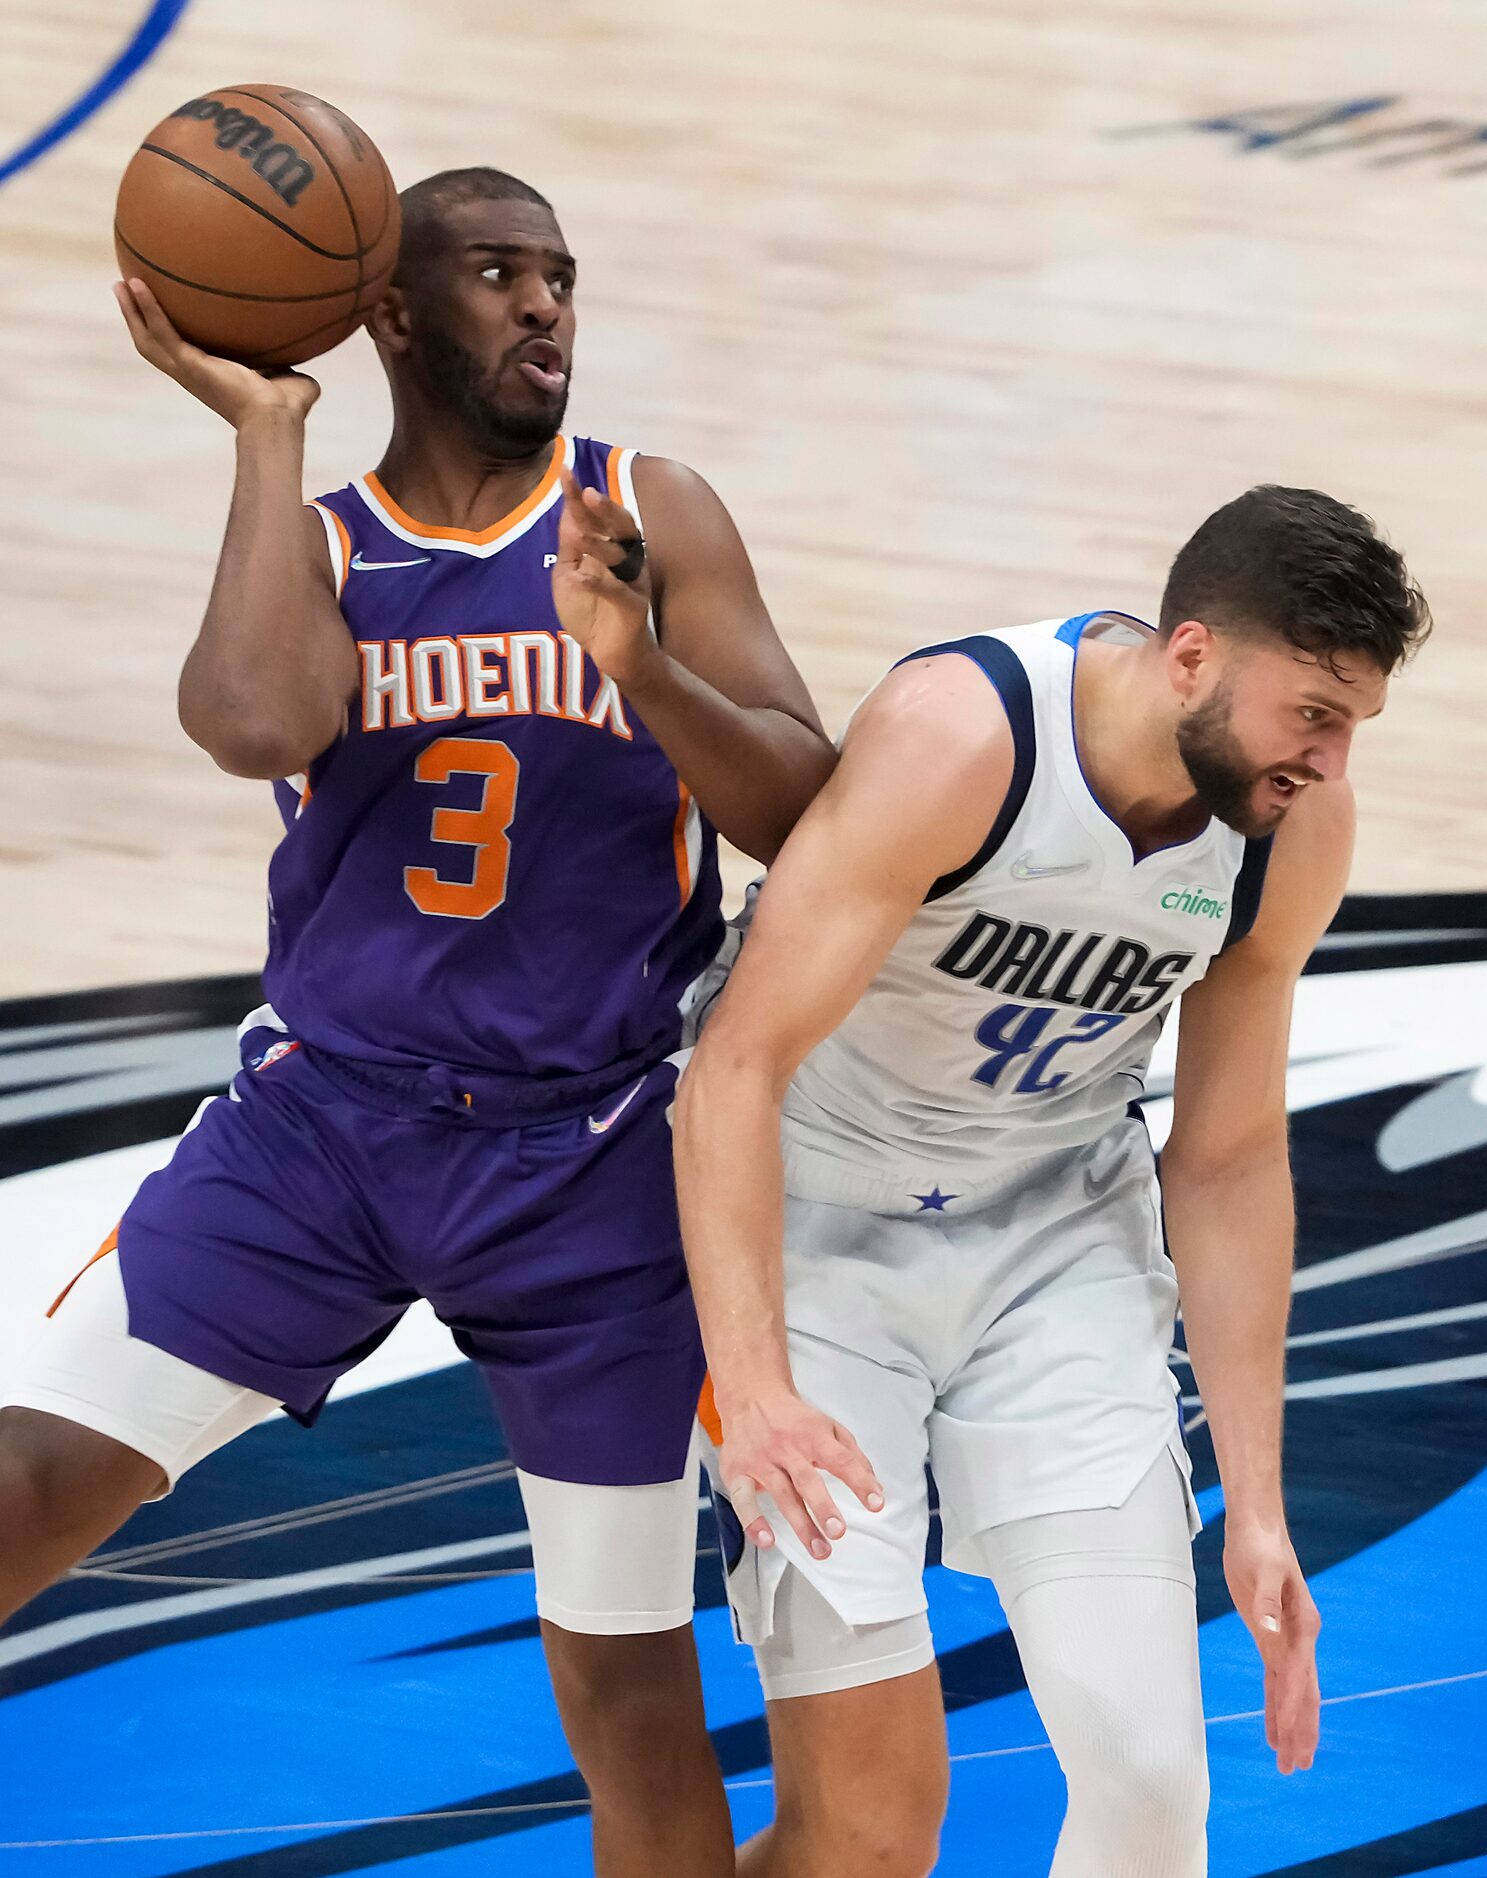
<point>265,222</point>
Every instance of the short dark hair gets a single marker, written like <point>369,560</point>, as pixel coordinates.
<point>1297,563</point>
<point>426,206</point>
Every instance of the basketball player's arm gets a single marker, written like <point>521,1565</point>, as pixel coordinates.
<point>265,687</point>
<point>714,686</point>
<point>1226,1190</point>
<point>924,765</point>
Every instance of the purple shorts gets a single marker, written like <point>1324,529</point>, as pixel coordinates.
<point>305,1212</point>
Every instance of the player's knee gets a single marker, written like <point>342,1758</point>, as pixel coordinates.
<point>1145,1793</point>
<point>896,1834</point>
<point>54,1476</point>
<point>884,1825</point>
<point>631,1734</point>
<point>33,1480</point>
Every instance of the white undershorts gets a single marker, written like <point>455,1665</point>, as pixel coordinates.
<point>609,1561</point>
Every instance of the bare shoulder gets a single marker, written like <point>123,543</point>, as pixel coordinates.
<point>665,473</point>
<point>936,727</point>
<point>673,488</point>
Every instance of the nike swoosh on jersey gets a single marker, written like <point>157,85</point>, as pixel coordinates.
<point>371,567</point>
<point>1025,868</point>
<point>608,1121</point>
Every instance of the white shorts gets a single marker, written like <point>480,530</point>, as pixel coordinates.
<point>1019,1347</point>
<point>609,1561</point>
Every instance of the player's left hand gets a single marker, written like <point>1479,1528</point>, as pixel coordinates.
<point>1270,1594</point>
<point>610,618</point>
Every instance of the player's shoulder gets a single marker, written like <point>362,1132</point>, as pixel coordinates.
<point>963,691</point>
<point>942,722</point>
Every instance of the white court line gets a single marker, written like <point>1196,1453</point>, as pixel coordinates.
<point>132,1577</point>
<point>315,1514</point>
<point>62,1632</point>
<point>65,1631</point>
<point>1256,1714</point>
<point>733,1786</point>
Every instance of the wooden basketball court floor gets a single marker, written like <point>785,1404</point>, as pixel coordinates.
<point>971,309</point>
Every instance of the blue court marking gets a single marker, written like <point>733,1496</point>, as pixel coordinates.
<point>399,1731</point>
<point>148,37</point>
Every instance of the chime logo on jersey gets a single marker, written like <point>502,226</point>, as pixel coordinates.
<point>1089,971</point>
<point>1195,900</point>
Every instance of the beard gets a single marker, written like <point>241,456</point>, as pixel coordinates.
<point>469,390</point>
<point>1222,776</point>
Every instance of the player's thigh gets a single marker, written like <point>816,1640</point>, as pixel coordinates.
<point>874,1573</point>
<point>613,1560</point>
<point>571,1293</point>
<point>862,1774</point>
<point>255,1253</point>
<point>614,1569</point>
<point>99,1411</point>
<point>92,1423</point>
<point>1066,1394</point>
<point>1101,1604</point>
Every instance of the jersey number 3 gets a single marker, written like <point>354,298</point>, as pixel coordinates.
<point>483,828</point>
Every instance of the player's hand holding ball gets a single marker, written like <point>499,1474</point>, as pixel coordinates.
<point>235,392</point>
<point>601,586</point>
<point>781,1446</point>
<point>1270,1594</point>
<point>256,227</point>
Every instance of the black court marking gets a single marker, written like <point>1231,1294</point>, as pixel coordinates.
<point>1423,1849</point>
<point>742,1748</point>
<point>228,293</point>
<point>328,254</point>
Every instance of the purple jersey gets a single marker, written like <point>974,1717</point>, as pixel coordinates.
<point>496,867</point>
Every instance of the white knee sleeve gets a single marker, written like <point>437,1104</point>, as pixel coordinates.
<point>1102,1608</point>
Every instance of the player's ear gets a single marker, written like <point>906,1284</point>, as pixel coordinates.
<point>388,321</point>
<point>1190,646</point>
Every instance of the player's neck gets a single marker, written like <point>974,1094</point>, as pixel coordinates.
<point>1127,749</point>
<point>444,481</point>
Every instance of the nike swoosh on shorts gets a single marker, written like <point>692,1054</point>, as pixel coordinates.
<point>608,1121</point>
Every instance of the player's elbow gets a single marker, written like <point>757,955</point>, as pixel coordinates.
<point>1206,1158</point>
<point>263,750</point>
<point>729,1070</point>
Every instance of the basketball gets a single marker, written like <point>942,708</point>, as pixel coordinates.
<point>265,222</point>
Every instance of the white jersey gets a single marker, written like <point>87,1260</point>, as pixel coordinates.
<point>1017,1013</point>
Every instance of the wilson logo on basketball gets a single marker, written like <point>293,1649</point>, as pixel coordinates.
<point>279,164</point>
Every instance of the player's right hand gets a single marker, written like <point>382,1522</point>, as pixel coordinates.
<point>781,1446</point>
<point>235,392</point>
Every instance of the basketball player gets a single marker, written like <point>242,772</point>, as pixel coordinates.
<point>1035,841</point>
<point>496,885</point>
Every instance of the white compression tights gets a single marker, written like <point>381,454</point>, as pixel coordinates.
<point>1101,1605</point>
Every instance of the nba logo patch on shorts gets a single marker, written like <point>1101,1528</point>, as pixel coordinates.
<point>273,1054</point>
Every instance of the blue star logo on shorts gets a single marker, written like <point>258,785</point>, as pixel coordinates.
<point>935,1202</point>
